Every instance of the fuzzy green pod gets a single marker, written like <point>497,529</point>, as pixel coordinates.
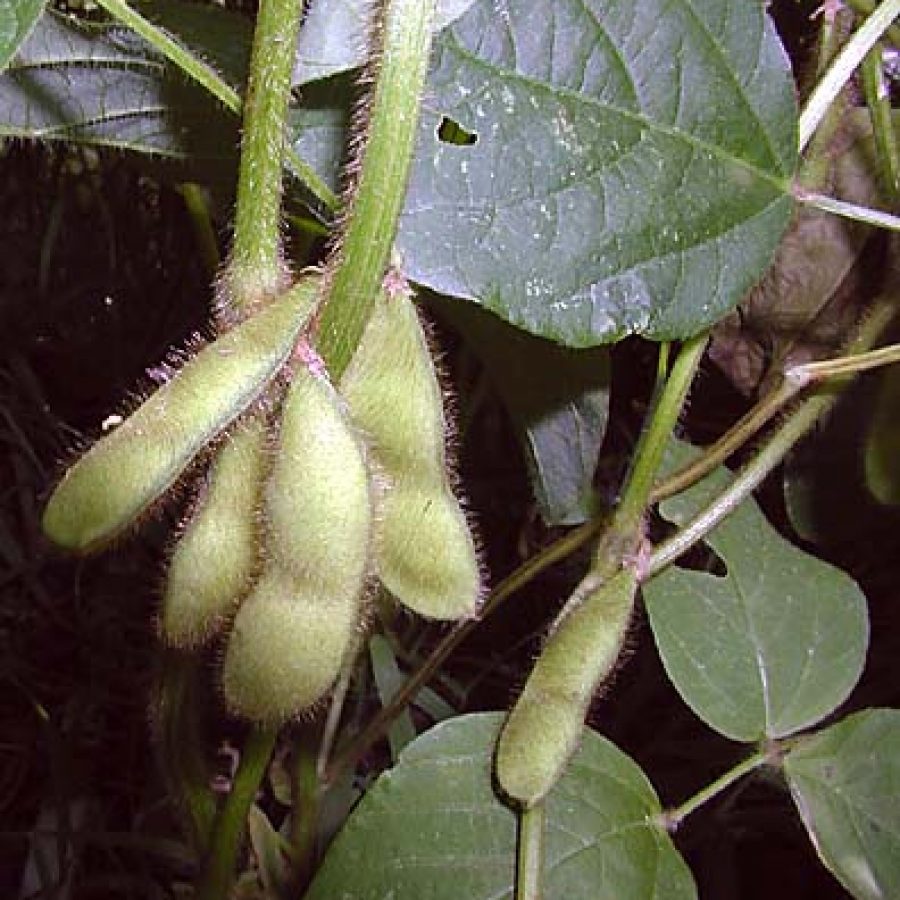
<point>286,647</point>
<point>545,724</point>
<point>292,633</point>
<point>217,553</point>
<point>424,549</point>
<point>124,473</point>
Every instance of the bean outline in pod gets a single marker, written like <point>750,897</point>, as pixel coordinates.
<point>292,633</point>
<point>217,553</point>
<point>543,729</point>
<point>127,471</point>
<point>424,549</point>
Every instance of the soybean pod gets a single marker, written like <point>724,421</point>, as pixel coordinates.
<point>291,634</point>
<point>216,556</point>
<point>545,724</point>
<point>124,473</point>
<point>424,550</point>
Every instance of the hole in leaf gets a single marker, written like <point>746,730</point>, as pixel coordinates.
<point>451,132</point>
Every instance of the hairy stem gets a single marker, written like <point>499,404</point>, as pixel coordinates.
<point>840,71</point>
<point>359,262</point>
<point>622,537</point>
<point>221,862</point>
<point>530,853</point>
<point>256,269</point>
<point>776,448</point>
<point>197,70</point>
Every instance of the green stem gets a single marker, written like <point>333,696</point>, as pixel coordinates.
<point>673,818</point>
<point>878,99</point>
<point>208,78</point>
<point>530,853</point>
<point>175,52</point>
<point>256,269</point>
<point>732,440</point>
<point>198,210</point>
<point>178,720</point>
<point>773,452</point>
<point>866,8</point>
<point>358,265</point>
<point>840,71</point>
<point>853,211</point>
<point>379,724</point>
<point>221,863</point>
<point>305,806</point>
<point>623,534</point>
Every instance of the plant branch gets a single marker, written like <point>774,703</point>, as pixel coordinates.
<point>866,8</point>
<point>846,210</point>
<point>672,819</point>
<point>776,448</point>
<point>878,99</point>
<point>530,853</point>
<point>207,77</point>
<point>840,71</point>
<point>621,538</point>
<point>358,264</point>
<point>221,862</point>
<point>304,806</point>
<point>256,269</point>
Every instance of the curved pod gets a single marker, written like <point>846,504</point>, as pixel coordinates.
<point>545,724</point>
<point>216,555</point>
<point>124,473</point>
<point>424,548</point>
<point>293,631</point>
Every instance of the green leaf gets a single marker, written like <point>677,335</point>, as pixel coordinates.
<point>630,171</point>
<point>882,446</point>
<point>333,37</point>
<point>17,18</point>
<point>558,402</point>
<point>432,827</point>
<point>103,85</point>
<point>771,648</point>
<point>845,783</point>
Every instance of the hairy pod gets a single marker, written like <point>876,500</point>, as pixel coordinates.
<point>545,724</point>
<point>291,634</point>
<point>124,473</point>
<point>216,555</point>
<point>424,549</point>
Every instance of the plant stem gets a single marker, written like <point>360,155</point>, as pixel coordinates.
<point>256,269</point>
<point>358,264</point>
<point>221,861</point>
<point>774,451</point>
<point>853,211</point>
<point>199,71</point>
<point>530,853</point>
<point>304,806</point>
<point>840,71</point>
<point>623,534</point>
<point>866,8</point>
<point>673,818</point>
<point>878,99</point>
<point>379,724</point>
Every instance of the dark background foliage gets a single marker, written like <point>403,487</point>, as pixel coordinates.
<point>100,275</point>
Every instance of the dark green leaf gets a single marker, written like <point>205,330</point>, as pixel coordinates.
<point>846,782</point>
<point>432,827</point>
<point>558,401</point>
<point>17,18</point>
<point>631,166</point>
<point>333,37</point>
<point>105,86</point>
<point>771,648</point>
